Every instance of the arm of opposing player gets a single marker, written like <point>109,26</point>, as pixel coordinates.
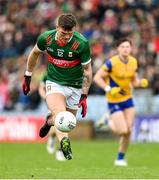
<point>99,78</point>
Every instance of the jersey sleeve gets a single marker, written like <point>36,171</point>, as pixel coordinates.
<point>85,56</point>
<point>107,66</point>
<point>41,42</point>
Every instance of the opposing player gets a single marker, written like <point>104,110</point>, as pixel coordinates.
<point>116,77</point>
<point>69,73</point>
<point>51,143</point>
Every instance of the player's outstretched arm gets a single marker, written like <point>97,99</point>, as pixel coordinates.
<point>31,63</point>
<point>32,59</point>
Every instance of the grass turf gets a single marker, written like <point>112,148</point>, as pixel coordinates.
<point>92,160</point>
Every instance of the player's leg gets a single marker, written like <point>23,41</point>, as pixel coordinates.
<point>55,99</point>
<point>65,143</point>
<point>56,103</point>
<point>125,138</point>
<point>51,142</point>
<point>72,100</point>
<point>119,126</point>
<point>117,123</point>
<point>129,118</point>
<point>51,136</point>
<point>116,118</point>
<point>51,145</point>
<point>128,113</point>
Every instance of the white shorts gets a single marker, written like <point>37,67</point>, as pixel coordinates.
<point>71,94</point>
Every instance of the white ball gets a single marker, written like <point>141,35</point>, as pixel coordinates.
<point>65,121</point>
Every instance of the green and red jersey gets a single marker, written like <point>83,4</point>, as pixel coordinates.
<point>65,62</point>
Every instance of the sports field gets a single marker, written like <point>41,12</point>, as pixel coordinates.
<point>92,160</point>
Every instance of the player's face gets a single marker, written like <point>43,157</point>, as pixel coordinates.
<point>63,35</point>
<point>124,49</point>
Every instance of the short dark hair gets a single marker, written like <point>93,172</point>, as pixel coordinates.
<point>67,21</point>
<point>121,40</point>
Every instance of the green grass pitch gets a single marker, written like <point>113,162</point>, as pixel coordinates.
<point>92,160</point>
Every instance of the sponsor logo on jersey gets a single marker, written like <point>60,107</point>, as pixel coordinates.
<point>61,50</point>
<point>63,62</point>
<point>75,45</point>
<point>49,40</point>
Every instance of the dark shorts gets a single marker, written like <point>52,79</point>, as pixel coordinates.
<point>121,106</point>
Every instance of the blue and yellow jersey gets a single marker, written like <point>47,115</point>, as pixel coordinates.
<point>120,74</point>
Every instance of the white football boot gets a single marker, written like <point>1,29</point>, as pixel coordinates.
<point>50,147</point>
<point>60,156</point>
<point>120,162</point>
<point>103,121</point>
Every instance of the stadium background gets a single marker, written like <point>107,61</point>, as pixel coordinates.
<point>102,22</point>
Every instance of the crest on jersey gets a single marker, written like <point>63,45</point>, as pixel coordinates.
<point>75,45</point>
<point>69,54</point>
<point>49,40</point>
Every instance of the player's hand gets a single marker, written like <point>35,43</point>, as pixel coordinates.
<point>83,103</point>
<point>115,90</point>
<point>143,83</point>
<point>26,84</point>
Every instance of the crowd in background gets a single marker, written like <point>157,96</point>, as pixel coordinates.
<point>102,22</point>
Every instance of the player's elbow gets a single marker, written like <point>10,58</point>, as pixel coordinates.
<point>88,70</point>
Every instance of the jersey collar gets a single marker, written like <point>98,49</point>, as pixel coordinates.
<point>62,43</point>
<point>123,60</point>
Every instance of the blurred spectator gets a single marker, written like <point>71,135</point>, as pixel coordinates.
<point>155,81</point>
<point>4,92</point>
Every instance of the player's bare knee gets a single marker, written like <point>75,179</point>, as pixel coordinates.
<point>129,131</point>
<point>123,132</point>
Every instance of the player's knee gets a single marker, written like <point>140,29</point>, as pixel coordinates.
<point>129,131</point>
<point>123,131</point>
